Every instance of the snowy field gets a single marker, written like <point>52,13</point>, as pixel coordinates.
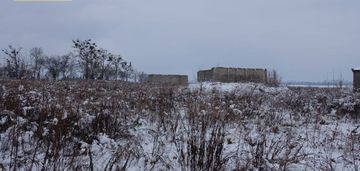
<point>84,125</point>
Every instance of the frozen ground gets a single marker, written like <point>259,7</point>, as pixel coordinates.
<point>208,126</point>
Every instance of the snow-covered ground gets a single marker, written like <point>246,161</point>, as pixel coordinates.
<point>237,87</point>
<point>206,126</point>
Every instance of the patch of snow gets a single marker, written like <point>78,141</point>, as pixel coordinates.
<point>3,120</point>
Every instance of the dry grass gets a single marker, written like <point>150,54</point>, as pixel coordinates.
<point>53,126</point>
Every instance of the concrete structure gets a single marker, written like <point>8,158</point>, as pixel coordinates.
<point>356,78</point>
<point>168,80</point>
<point>221,74</point>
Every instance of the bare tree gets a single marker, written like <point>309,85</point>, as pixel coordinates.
<point>67,65</point>
<point>3,72</point>
<point>98,63</point>
<point>37,55</point>
<point>88,54</point>
<point>15,65</point>
<point>54,66</point>
<point>117,62</point>
<point>140,77</point>
<point>103,65</point>
<point>127,71</point>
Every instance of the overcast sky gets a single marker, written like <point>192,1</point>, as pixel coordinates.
<point>304,40</point>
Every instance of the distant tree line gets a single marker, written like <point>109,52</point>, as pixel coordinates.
<point>87,61</point>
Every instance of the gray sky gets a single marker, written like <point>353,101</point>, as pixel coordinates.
<point>304,40</point>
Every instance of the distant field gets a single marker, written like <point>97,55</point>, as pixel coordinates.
<point>318,85</point>
<point>112,125</point>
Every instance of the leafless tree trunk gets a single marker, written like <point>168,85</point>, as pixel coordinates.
<point>37,55</point>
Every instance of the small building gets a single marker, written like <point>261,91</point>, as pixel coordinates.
<point>356,78</point>
<point>167,80</point>
<point>221,74</point>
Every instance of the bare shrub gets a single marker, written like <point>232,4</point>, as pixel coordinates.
<point>77,125</point>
